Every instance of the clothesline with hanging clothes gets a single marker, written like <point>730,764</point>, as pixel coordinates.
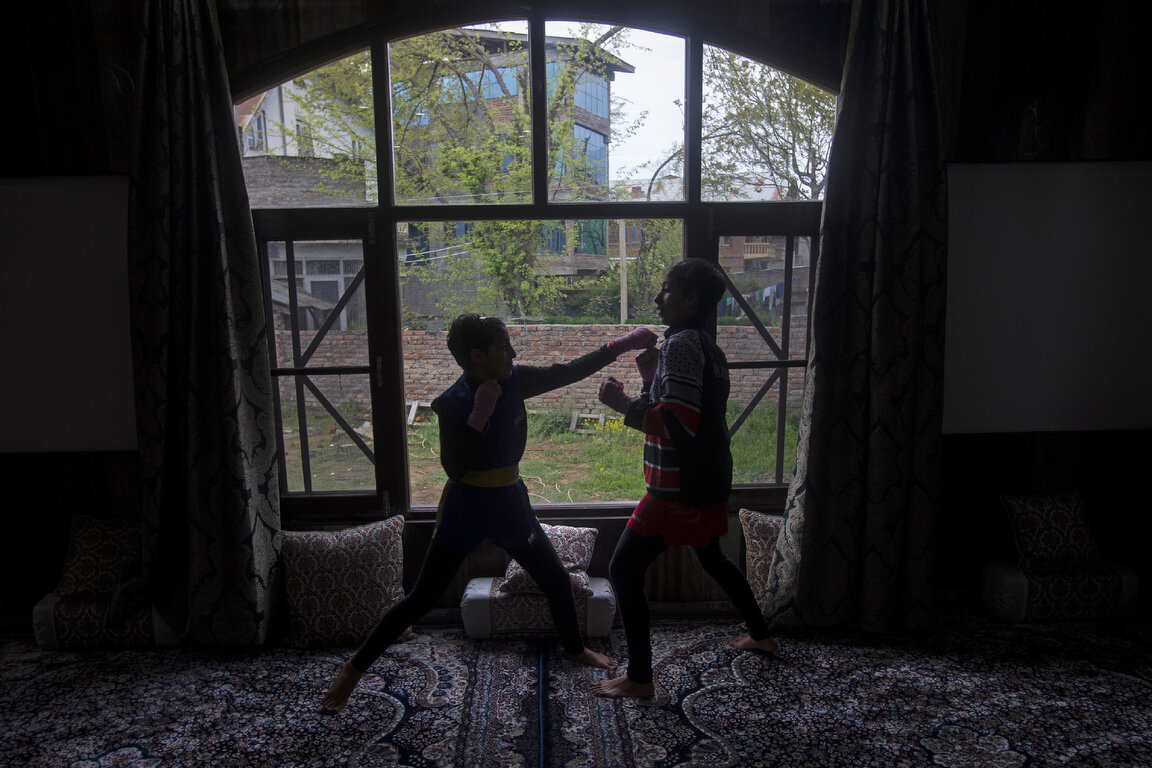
<point>770,296</point>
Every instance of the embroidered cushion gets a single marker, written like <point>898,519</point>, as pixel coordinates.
<point>340,583</point>
<point>760,534</point>
<point>1010,594</point>
<point>81,622</point>
<point>1063,596</point>
<point>102,554</point>
<point>1051,532</point>
<point>573,544</point>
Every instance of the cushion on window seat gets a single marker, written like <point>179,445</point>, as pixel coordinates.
<point>1051,532</point>
<point>760,533</point>
<point>80,622</point>
<point>573,544</point>
<point>86,611</point>
<point>1060,574</point>
<point>102,554</point>
<point>340,583</point>
<point>490,612</point>
<point>514,606</point>
<point>1012,594</point>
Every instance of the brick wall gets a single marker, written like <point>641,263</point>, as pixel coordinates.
<point>429,368</point>
<point>285,182</point>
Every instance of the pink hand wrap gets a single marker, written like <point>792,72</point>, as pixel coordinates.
<point>635,340</point>
<point>612,395</point>
<point>483,404</point>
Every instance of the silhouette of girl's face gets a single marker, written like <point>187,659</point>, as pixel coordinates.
<point>496,361</point>
<point>674,304</point>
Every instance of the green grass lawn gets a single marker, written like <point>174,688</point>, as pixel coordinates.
<point>558,466</point>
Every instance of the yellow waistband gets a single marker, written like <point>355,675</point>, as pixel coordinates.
<point>492,478</point>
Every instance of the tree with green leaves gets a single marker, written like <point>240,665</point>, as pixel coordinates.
<point>335,110</point>
<point>760,127</point>
<point>459,122</point>
<point>760,120</point>
<point>661,246</point>
<point>492,266</point>
<point>461,134</point>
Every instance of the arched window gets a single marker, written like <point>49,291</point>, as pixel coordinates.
<point>546,171</point>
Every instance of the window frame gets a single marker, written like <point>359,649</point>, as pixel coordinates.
<point>704,223</point>
<point>256,133</point>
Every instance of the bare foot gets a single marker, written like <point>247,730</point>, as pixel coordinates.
<point>341,689</point>
<point>592,659</point>
<point>621,687</point>
<point>763,645</point>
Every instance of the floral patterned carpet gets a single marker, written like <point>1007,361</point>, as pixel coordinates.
<point>970,693</point>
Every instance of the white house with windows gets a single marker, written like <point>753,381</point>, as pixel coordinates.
<point>286,165</point>
<point>274,123</point>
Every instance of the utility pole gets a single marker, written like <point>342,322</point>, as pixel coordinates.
<point>623,273</point>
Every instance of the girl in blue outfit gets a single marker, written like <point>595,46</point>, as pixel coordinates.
<point>483,430</point>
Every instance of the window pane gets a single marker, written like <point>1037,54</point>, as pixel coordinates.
<point>320,326</point>
<point>757,444</point>
<point>311,140</point>
<point>561,270</point>
<point>336,427</point>
<point>766,134</point>
<point>756,266</point>
<point>762,329</point>
<point>557,285</point>
<point>615,113</point>
<point>461,130</point>
<point>319,292</point>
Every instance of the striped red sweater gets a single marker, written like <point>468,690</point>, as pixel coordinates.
<point>686,453</point>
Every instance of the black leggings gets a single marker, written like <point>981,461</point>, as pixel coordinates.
<point>634,553</point>
<point>440,565</point>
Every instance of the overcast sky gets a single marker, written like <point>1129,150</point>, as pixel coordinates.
<point>655,86</point>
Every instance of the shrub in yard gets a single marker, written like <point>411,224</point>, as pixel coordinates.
<point>613,432</point>
<point>548,424</point>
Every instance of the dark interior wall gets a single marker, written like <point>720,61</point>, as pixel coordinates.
<point>1020,82</point>
<point>44,491</point>
<point>1039,85</point>
<point>1107,469</point>
<point>70,69</point>
<point>1042,83</point>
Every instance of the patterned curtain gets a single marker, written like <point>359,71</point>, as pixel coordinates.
<point>858,541</point>
<point>203,387</point>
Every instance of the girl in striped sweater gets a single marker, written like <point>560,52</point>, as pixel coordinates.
<point>687,469</point>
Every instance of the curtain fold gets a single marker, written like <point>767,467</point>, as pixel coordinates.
<point>203,387</point>
<point>858,545</point>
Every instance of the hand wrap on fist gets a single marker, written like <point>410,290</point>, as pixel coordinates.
<point>483,404</point>
<point>612,395</point>
<point>635,340</point>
